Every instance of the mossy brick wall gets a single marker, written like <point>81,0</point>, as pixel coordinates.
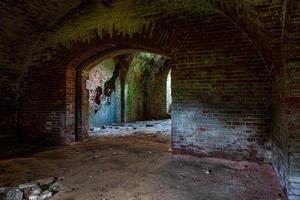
<point>24,23</point>
<point>134,94</point>
<point>221,93</point>
<point>48,104</point>
<point>156,87</point>
<point>221,88</point>
<point>146,87</point>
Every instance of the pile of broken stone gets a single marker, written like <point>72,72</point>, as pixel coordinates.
<point>42,189</point>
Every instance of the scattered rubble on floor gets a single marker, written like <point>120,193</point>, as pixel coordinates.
<point>42,189</point>
<point>141,167</point>
<point>142,127</point>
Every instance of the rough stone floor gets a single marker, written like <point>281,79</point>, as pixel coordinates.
<point>141,167</point>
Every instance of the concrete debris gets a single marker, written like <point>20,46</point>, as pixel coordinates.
<point>4,190</point>
<point>161,127</point>
<point>47,194</point>
<point>36,190</point>
<point>14,195</point>
<point>55,187</point>
<point>34,197</point>
<point>27,185</point>
<point>42,189</point>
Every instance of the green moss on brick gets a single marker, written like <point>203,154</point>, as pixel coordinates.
<point>126,17</point>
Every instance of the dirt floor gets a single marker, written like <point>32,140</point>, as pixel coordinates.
<point>141,167</point>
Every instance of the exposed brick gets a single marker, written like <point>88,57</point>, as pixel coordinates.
<point>225,61</point>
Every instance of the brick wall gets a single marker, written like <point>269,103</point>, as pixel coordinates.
<point>45,115</point>
<point>20,27</point>
<point>146,88</point>
<point>221,93</point>
<point>221,89</point>
<point>49,101</point>
<point>279,126</point>
<point>291,95</point>
<point>156,87</point>
<point>9,84</point>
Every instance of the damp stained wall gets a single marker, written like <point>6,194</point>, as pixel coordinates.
<point>146,88</point>
<point>271,27</point>
<point>108,112</point>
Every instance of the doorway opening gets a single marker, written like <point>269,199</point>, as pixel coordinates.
<point>130,93</point>
<point>103,109</point>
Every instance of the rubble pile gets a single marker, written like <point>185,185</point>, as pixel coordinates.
<point>42,189</point>
<point>162,127</point>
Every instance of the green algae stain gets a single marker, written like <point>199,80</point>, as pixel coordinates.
<point>109,65</point>
<point>126,17</point>
<point>135,86</point>
<point>293,64</point>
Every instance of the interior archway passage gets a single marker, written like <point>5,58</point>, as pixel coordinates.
<point>220,87</point>
<point>235,65</point>
<point>137,85</point>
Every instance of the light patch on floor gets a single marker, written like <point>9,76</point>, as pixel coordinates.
<point>142,127</point>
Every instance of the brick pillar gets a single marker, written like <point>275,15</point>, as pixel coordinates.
<point>82,104</point>
<point>292,98</point>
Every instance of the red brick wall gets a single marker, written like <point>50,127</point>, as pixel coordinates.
<point>221,93</point>
<point>220,83</point>
<point>221,88</point>
<point>48,104</point>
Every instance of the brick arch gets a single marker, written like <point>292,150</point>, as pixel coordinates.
<point>82,67</point>
<point>211,72</point>
<point>261,22</point>
<point>55,69</point>
<point>261,34</point>
<point>161,40</point>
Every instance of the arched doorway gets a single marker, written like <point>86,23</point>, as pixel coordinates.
<point>123,101</point>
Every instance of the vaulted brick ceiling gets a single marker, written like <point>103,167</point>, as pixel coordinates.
<point>24,21</point>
